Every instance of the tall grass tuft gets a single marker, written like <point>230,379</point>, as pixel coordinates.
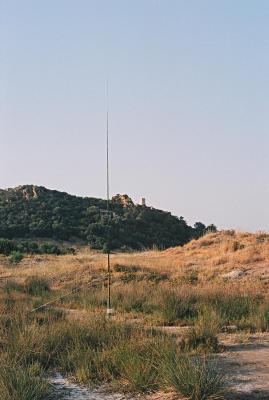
<point>18,383</point>
<point>193,377</point>
<point>137,364</point>
<point>36,286</point>
<point>202,337</point>
<point>261,319</point>
<point>178,306</point>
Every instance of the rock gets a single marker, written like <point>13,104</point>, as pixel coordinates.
<point>229,329</point>
<point>235,274</point>
<point>123,199</point>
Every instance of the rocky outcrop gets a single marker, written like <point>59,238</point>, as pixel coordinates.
<point>123,199</point>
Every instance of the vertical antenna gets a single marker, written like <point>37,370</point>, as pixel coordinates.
<point>109,309</point>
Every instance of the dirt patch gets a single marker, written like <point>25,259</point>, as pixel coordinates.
<point>247,364</point>
<point>66,390</point>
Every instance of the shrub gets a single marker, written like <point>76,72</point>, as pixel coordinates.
<point>15,257</point>
<point>6,246</point>
<point>28,247</point>
<point>83,363</point>
<point>69,250</point>
<point>48,248</point>
<point>46,315</point>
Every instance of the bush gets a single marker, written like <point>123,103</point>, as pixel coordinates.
<point>6,246</point>
<point>28,247</point>
<point>48,248</point>
<point>15,257</point>
<point>193,377</point>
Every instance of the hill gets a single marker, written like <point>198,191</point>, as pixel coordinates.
<point>33,211</point>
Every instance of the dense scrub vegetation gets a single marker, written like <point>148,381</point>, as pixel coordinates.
<point>9,247</point>
<point>30,211</point>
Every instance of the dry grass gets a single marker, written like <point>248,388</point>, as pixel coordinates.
<point>141,280</point>
<point>209,258</point>
<point>183,286</point>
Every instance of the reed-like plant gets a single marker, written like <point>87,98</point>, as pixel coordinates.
<point>195,378</point>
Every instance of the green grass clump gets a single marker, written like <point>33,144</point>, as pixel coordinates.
<point>260,320</point>
<point>137,361</point>
<point>178,306</point>
<point>193,377</point>
<point>234,307</point>
<point>138,298</point>
<point>11,285</point>
<point>112,352</point>
<point>36,286</point>
<point>126,268</point>
<point>18,383</point>
<point>202,337</point>
<point>15,257</point>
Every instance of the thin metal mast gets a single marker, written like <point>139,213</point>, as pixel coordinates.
<point>109,310</point>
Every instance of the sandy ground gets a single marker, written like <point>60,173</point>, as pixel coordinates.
<point>247,364</point>
<point>66,390</point>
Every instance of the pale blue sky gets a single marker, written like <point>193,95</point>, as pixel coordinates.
<point>189,97</point>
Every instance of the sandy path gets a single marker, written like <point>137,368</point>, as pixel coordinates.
<point>67,390</point>
<point>248,367</point>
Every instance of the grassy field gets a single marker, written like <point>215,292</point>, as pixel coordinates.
<point>170,309</point>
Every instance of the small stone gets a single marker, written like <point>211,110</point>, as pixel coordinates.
<point>235,274</point>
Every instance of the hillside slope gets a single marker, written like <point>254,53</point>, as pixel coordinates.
<point>224,256</point>
<point>203,264</point>
<point>33,211</point>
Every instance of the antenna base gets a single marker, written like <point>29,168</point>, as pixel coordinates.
<point>109,312</point>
